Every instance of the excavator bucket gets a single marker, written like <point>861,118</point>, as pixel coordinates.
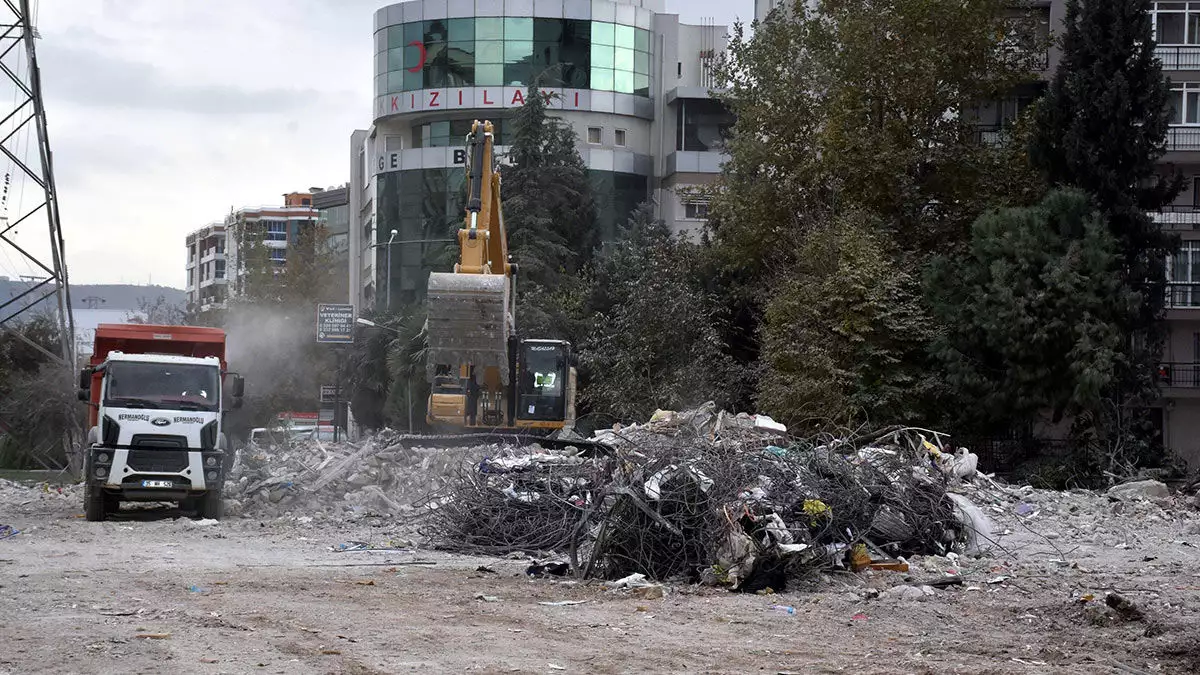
<point>470,320</point>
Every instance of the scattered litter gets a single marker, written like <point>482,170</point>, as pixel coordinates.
<point>153,636</point>
<point>859,617</point>
<point>196,589</point>
<point>331,652</point>
<point>557,569</point>
<point>368,582</point>
<point>998,580</point>
<point>486,569</point>
<point>486,598</point>
<point>7,531</point>
<point>784,609</point>
<point>554,666</point>
<point>563,603</point>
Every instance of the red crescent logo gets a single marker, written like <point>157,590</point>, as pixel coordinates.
<point>421,46</point>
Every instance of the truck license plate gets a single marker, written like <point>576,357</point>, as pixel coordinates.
<point>157,484</point>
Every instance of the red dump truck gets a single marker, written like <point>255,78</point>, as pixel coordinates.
<point>156,397</point>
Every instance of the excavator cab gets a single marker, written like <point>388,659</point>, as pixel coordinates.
<point>543,374</point>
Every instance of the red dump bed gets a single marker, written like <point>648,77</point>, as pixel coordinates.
<point>135,338</point>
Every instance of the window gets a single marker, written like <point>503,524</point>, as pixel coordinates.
<point>451,133</point>
<point>702,125</point>
<point>276,230</point>
<point>220,270</point>
<point>278,254</point>
<point>1183,276</point>
<point>191,277</point>
<point>695,210</point>
<point>1185,103</point>
<point>595,135</point>
<point>1176,23</point>
<point>514,51</point>
<point>619,138</point>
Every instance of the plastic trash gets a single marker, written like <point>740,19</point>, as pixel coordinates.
<point>978,527</point>
<point>784,609</point>
<point>7,531</point>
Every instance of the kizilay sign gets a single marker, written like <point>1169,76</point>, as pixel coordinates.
<point>335,323</point>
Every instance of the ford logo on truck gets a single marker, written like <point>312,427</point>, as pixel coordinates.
<point>160,421</point>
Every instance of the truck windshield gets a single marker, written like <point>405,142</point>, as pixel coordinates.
<point>162,385</point>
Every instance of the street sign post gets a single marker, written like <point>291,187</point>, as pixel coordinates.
<point>335,324</point>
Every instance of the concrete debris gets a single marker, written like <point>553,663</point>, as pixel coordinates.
<point>380,476</point>
<point>1142,489</point>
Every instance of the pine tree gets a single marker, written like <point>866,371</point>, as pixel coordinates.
<point>548,207</point>
<point>655,334</point>
<point>1102,128</point>
<point>1031,314</point>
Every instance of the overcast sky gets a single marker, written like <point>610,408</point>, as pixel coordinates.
<point>164,114</point>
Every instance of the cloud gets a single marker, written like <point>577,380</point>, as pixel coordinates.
<point>95,79</point>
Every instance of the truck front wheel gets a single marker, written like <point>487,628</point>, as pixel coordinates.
<point>95,503</point>
<point>210,506</point>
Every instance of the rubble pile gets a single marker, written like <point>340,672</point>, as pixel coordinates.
<point>382,475</point>
<point>705,495</point>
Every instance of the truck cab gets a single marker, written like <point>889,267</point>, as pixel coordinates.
<point>156,420</point>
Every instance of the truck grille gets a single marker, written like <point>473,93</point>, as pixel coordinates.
<point>158,441</point>
<point>158,460</point>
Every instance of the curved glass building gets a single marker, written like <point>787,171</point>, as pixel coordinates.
<point>632,80</point>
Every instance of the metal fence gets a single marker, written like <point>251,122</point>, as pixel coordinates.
<point>1179,57</point>
<point>1179,375</point>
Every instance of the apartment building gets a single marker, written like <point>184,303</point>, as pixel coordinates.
<point>207,284</point>
<point>216,252</point>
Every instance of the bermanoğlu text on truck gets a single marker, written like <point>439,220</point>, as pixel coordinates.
<point>157,396</point>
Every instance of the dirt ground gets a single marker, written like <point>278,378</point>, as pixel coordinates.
<point>157,592</point>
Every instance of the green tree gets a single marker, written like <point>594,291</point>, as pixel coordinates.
<point>655,341</point>
<point>846,332</point>
<point>548,208</point>
<point>38,409</point>
<point>1102,128</point>
<point>864,104</point>
<point>1032,314</point>
<point>857,115</point>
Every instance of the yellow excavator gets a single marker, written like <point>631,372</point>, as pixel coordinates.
<point>484,377</point>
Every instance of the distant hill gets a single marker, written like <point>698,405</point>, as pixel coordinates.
<point>92,296</point>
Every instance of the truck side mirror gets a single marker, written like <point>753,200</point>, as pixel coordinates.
<point>238,388</point>
<point>83,395</point>
<point>85,379</point>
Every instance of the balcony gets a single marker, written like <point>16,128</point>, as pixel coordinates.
<point>1183,139</point>
<point>1178,57</point>
<point>1179,375</point>
<point>1178,217</point>
<point>1183,295</point>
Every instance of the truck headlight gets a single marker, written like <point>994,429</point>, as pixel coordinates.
<point>102,458</point>
<point>211,461</point>
<point>211,475</point>
<point>101,472</point>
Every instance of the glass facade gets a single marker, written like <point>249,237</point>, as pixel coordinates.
<point>449,133</point>
<point>513,51</point>
<point>424,204</point>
